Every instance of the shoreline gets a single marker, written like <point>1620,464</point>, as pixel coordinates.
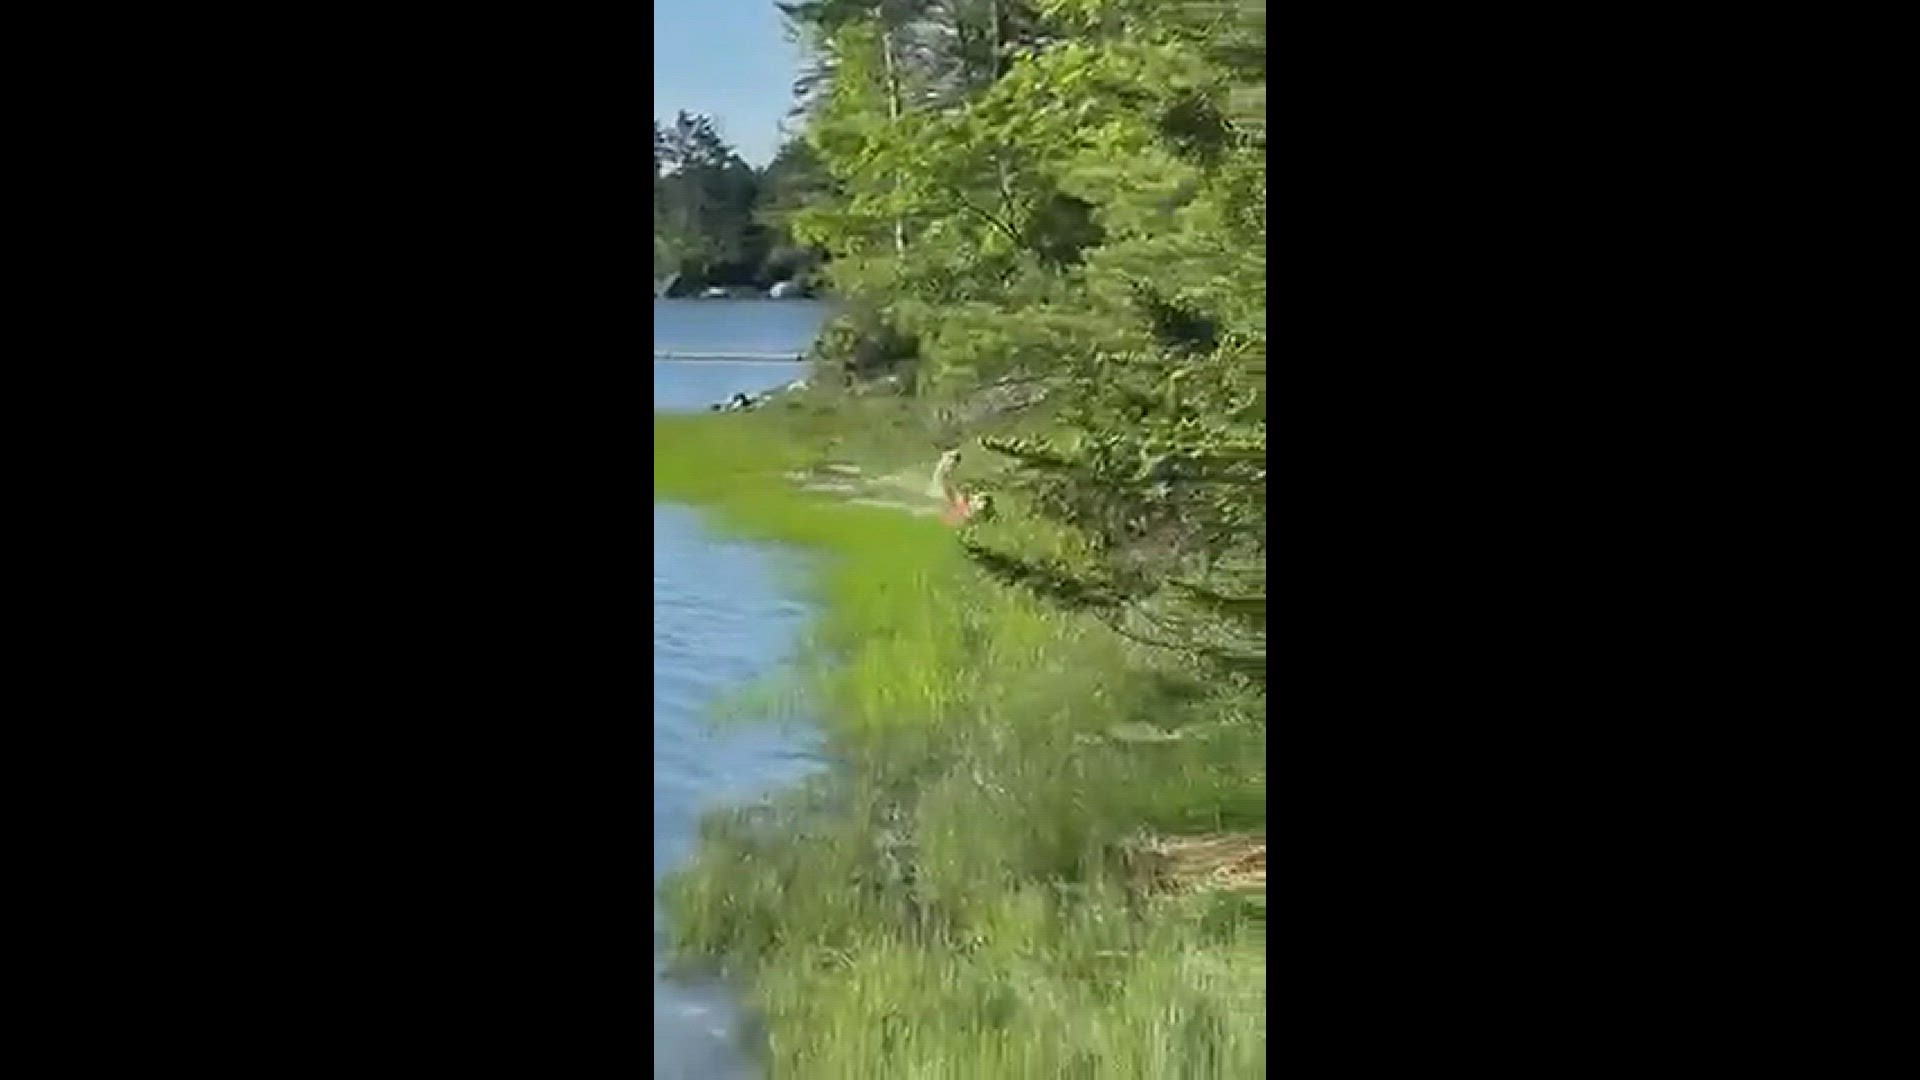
<point>702,1024</point>
<point>996,881</point>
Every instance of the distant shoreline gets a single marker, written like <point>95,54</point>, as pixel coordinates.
<point>748,358</point>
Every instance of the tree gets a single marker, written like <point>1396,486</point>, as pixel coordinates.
<point>791,181</point>
<point>1082,183</point>
<point>704,199</point>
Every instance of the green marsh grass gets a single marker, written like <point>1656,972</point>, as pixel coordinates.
<point>952,898</point>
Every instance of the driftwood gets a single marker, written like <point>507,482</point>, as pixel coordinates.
<point>1229,861</point>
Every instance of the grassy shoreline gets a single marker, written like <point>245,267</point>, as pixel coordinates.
<point>973,890</point>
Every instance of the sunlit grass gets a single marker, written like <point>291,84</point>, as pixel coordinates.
<point>953,899</point>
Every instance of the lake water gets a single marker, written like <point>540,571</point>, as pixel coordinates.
<point>753,326</point>
<point>722,616</point>
<point>743,326</point>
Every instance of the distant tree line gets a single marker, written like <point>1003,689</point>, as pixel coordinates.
<point>718,221</point>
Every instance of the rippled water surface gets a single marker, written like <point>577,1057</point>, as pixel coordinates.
<point>719,620</point>
<point>751,326</point>
<point>723,615</point>
<point>721,326</point>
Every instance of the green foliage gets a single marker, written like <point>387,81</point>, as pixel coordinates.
<point>863,343</point>
<point>1049,216</point>
<point>718,221</point>
<point>955,900</point>
<point>1082,203</point>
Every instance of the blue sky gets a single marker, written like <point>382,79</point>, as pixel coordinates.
<point>730,60</point>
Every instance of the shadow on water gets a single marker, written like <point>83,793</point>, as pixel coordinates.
<point>721,620</point>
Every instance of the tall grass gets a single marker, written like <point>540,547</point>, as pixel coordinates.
<point>956,898</point>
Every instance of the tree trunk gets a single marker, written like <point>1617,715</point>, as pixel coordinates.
<point>993,71</point>
<point>893,115</point>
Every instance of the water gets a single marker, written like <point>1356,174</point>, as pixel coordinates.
<point>709,326</point>
<point>721,618</point>
<point>753,326</point>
